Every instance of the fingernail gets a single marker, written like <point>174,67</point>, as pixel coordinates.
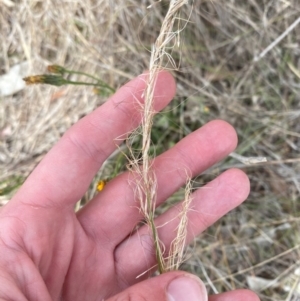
<point>186,288</point>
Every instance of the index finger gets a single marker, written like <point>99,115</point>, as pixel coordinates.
<point>65,173</point>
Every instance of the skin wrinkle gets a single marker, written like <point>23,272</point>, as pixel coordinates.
<point>148,255</point>
<point>14,259</point>
<point>122,281</point>
<point>98,234</point>
<point>59,199</point>
<point>210,139</point>
<point>92,150</point>
<point>183,171</point>
<point>234,188</point>
<point>37,289</point>
<point>104,128</point>
<point>125,107</point>
<point>88,263</point>
<point>95,230</point>
<point>22,270</point>
<point>100,247</point>
<point>204,221</point>
<point>132,102</point>
<point>93,266</point>
<point>10,242</point>
<point>135,100</point>
<point>5,296</point>
<point>48,201</point>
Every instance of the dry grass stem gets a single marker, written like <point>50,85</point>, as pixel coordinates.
<point>176,252</point>
<point>146,185</point>
<point>275,42</point>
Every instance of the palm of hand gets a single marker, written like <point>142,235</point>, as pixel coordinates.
<point>51,253</point>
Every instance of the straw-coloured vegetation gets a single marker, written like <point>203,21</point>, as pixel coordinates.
<point>222,72</point>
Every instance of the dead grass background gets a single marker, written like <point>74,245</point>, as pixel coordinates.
<point>258,242</point>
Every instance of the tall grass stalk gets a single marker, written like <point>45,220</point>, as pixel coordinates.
<point>146,184</point>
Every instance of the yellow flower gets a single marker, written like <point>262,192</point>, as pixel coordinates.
<point>56,69</point>
<point>101,184</point>
<point>55,80</point>
<point>97,91</point>
<point>33,79</point>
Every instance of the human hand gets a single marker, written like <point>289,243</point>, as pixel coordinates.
<point>49,252</point>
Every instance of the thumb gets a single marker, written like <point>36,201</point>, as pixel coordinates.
<point>173,286</point>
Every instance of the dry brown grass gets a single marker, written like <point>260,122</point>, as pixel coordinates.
<point>217,79</point>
